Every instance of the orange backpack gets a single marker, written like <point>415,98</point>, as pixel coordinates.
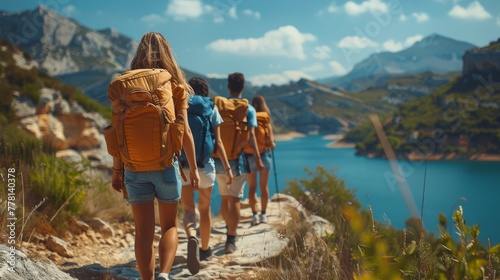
<point>144,131</point>
<point>234,130</point>
<point>262,133</point>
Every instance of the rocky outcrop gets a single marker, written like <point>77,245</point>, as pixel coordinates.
<point>69,128</point>
<point>482,60</point>
<point>15,265</point>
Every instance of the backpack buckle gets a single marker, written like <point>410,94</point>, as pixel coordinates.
<point>156,99</point>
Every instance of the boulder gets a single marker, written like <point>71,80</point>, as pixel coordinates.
<point>23,268</point>
<point>59,246</point>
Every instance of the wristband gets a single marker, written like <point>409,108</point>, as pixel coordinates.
<point>114,169</point>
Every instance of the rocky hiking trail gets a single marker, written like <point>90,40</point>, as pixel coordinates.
<point>106,251</point>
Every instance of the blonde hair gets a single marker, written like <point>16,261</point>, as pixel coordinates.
<point>154,51</point>
<point>260,105</point>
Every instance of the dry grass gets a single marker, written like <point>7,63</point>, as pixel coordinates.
<point>306,256</point>
<point>104,202</point>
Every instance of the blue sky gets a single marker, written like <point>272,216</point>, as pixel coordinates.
<point>275,41</point>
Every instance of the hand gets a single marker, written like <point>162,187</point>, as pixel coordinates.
<point>260,165</point>
<point>117,180</point>
<point>195,178</point>
<point>229,176</point>
<point>273,145</point>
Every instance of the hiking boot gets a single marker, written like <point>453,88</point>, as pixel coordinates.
<point>254,220</point>
<point>193,255</point>
<point>263,219</point>
<point>230,247</point>
<point>205,255</point>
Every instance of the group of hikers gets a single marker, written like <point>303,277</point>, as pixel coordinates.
<point>162,128</point>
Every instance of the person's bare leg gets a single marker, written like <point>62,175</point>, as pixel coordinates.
<point>169,239</point>
<point>233,215</point>
<point>188,205</point>
<point>252,190</point>
<point>224,208</point>
<point>144,218</point>
<point>264,189</point>
<point>205,196</point>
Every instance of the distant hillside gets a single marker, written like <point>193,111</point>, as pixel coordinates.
<point>459,119</point>
<point>435,54</point>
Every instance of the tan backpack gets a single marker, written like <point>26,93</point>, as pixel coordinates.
<point>234,130</point>
<point>262,134</point>
<point>144,131</point>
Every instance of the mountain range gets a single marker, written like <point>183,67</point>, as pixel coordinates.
<point>435,53</point>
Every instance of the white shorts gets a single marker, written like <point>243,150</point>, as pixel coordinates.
<point>207,175</point>
<point>236,187</point>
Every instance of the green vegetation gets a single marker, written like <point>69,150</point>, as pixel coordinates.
<point>361,248</point>
<point>460,117</point>
<point>49,192</point>
<point>29,83</point>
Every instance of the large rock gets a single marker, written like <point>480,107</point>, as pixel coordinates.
<point>15,265</point>
<point>486,59</point>
<point>59,246</point>
<point>68,127</point>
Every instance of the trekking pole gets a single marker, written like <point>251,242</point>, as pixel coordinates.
<point>276,180</point>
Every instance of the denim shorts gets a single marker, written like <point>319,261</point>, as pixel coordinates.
<point>266,160</point>
<point>237,166</point>
<point>144,186</point>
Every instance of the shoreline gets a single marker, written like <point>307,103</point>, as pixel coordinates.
<point>288,136</point>
<point>443,157</point>
<point>411,157</point>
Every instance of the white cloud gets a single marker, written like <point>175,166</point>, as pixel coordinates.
<point>153,19</point>
<point>322,52</point>
<point>420,17</point>
<point>251,13</point>
<point>395,46</point>
<point>402,17</point>
<point>284,41</point>
<point>356,42</point>
<point>313,68</point>
<point>367,6</point>
<point>278,79</point>
<point>233,13</point>
<point>216,76</point>
<point>332,8</point>
<point>68,10</point>
<point>338,69</point>
<point>412,40</point>
<point>185,9</point>
<point>498,20</point>
<point>474,11</point>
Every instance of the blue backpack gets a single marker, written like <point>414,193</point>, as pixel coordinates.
<point>199,114</point>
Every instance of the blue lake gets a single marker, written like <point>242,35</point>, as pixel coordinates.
<point>474,185</point>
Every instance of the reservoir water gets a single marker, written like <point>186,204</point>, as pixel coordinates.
<point>474,185</point>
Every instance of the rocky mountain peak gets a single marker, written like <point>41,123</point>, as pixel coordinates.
<point>62,46</point>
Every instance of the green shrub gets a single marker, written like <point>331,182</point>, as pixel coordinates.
<point>63,183</point>
<point>17,146</point>
<point>31,91</point>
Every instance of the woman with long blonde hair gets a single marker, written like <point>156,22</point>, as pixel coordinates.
<point>143,187</point>
<point>265,143</point>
